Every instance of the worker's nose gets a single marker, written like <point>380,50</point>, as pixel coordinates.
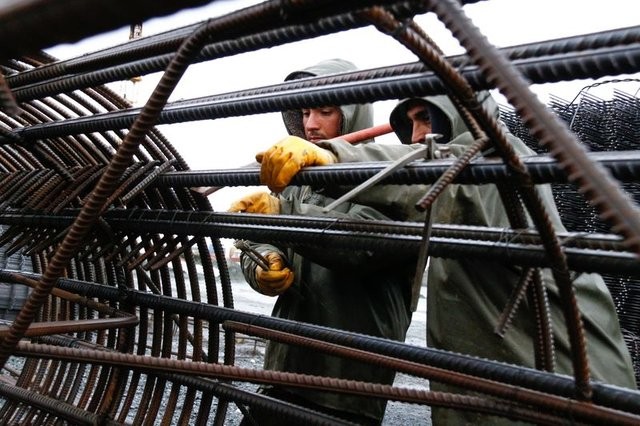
<point>420,130</point>
<point>312,121</point>
<point>418,134</point>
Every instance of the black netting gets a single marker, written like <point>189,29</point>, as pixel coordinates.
<point>602,125</point>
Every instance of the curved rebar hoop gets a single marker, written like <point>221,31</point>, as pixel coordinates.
<point>105,186</point>
<point>123,156</point>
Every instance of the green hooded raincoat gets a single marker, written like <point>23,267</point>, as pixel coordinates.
<point>349,290</point>
<point>465,296</point>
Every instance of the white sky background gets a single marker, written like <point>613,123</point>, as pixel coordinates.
<point>233,142</point>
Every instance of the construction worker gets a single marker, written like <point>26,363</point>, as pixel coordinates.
<point>352,290</point>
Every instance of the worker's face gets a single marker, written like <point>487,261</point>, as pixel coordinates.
<point>421,125</point>
<point>321,123</point>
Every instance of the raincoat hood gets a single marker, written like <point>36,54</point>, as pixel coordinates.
<point>444,117</point>
<point>354,117</point>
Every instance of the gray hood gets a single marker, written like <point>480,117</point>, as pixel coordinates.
<point>354,117</point>
<point>444,116</point>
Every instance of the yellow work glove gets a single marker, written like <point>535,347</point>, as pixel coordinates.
<point>282,161</point>
<point>277,279</point>
<point>258,202</point>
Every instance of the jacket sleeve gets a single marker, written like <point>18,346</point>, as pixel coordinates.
<point>458,204</point>
<point>249,266</point>
<point>479,205</point>
<point>349,153</point>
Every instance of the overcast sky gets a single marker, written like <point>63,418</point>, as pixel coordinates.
<point>233,142</point>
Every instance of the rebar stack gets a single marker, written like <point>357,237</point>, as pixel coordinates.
<point>129,316</point>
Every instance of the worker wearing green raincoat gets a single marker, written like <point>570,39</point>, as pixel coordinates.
<point>354,290</point>
<point>466,296</point>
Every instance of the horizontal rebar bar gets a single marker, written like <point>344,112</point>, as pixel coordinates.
<point>623,165</point>
<point>591,64</point>
<point>607,395</point>
<point>247,227</point>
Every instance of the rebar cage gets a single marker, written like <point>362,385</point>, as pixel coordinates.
<point>115,287</point>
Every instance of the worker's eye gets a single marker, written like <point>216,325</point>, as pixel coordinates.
<point>327,111</point>
<point>306,112</point>
<point>422,116</point>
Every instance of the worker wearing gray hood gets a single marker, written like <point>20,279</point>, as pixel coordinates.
<point>467,295</point>
<point>351,290</point>
<point>354,117</point>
